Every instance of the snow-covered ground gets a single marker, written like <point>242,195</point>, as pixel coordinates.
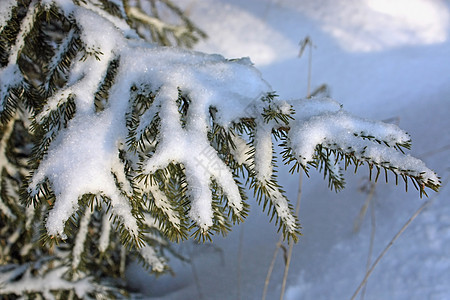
<point>381,59</point>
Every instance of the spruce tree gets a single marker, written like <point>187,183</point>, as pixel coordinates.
<point>115,141</point>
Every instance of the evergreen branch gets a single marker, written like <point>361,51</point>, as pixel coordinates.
<point>80,239</point>
<point>60,62</point>
<point>114,8</point>
<point>165,206</point>
<point>11,17</point>
<point>46,130</point>
<point>185,35</point>
<point>135,144</point>
<point>326,162</point>
<point>101,96</point>
<point>22,280</point>
<point>378,144</point>
<point>142,122</point>
<point>26,26</point>
<point>12,41</point>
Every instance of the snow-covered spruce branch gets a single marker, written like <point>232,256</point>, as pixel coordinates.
<point>28,279</point>
<point>176,129</point>
<point>48,278</point>
<point>185,34</point>
<point>321,131</point>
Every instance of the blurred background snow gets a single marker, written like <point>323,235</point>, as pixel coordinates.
<point>382,59</point>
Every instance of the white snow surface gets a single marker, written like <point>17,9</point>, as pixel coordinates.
<point>385,60</point>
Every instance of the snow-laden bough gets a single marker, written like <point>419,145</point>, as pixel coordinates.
<point>178,130</point>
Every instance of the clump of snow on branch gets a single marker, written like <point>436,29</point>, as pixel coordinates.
<point>157,263</point>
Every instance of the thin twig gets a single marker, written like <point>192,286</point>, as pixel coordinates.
<point>291,243</point>
<point>305,43</point>
<point>399,233</point>
<point>308,91</point>
<point>196,279</point>
<point>123,261</point>
<point>372,234</point>
<point>239,272</point>
<point>358,222</point>
<point>267,9</point>
<point>272,264</point>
